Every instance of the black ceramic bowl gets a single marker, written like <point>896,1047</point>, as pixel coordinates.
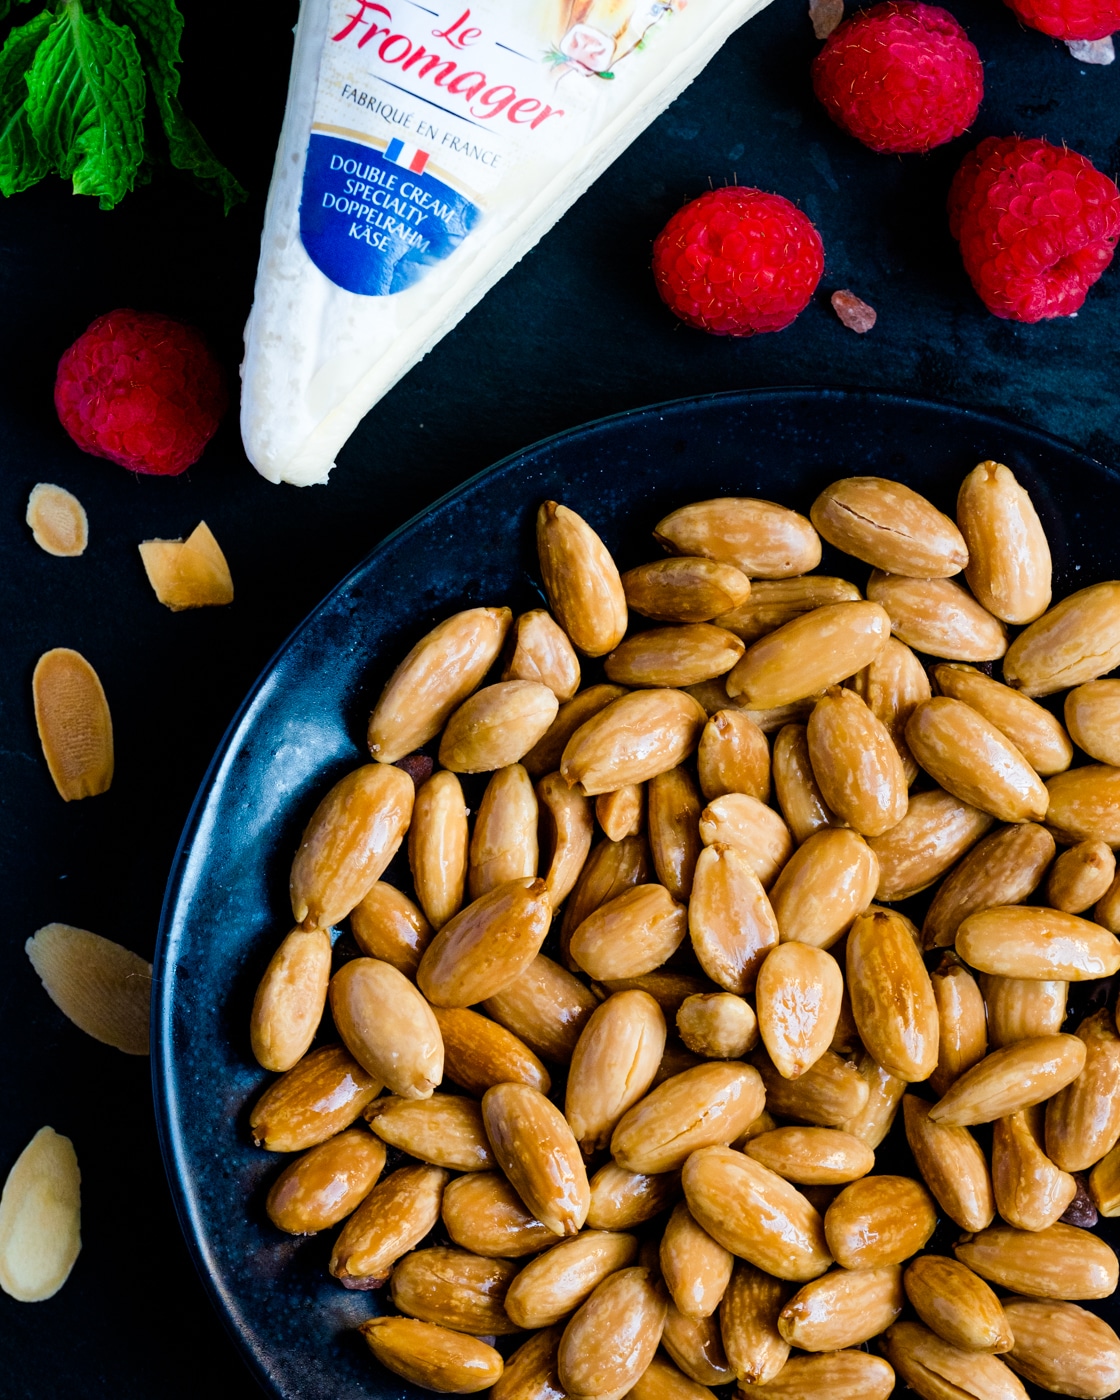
<point>303,725</point>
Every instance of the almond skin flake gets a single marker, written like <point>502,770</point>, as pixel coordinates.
<point>75,729</point>
<point>58,521</point>
<point>190,573</point>
<point>103,988</point>
<point>40,1218</point>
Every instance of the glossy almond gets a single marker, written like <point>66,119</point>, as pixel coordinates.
<point>731,922</point>
<point>438,848</point>
<point>387,1026</point>
<point>622,813</point>
<point>1080,877</point>
<point>630,935</point>
<point>544,757</point>
<point>957,1304</point>
<point>797,1001</point>
<point>393,1218</point>
<point>828,1094</point>
<point>75,728</point>
<point>1083,1119</point>
<point>755,1214</point>
<point>542,652</point>
<point>484,1214</point>
<point>812,1156</point>
<point>1022,940</point>
<point>856,764</point>
<point>1019,1007</point>
<point>317,1098</point>
<point>352,836</point>
<point>1009,567</point>
<point>892,686</point>
<point>546,1007</point>
<point>621,1199</point>
<point>795,785</point>
<point>879,1220</point>
<point>497,726</point>
<point>674,656</point>
<point>752,827</point>
<point>1033,730</point>
<point>708,1105</point>
<point>1085,804</point>
<point>1015,1077</point>
<point>487,945</point>
<point>632,740</point>
<point>974,761</point>
<point>479,1053</point>
<point>892,999</point>
<point>530,1372</point>
<point>324,1185</point>
<point>613,1065</point>
<point>566,829</point>
<point>936,831</point>
<point>1061,1261</point>
<point>611,1340</point>
<point>1004,868</point>
<point>610,869</point>
<point>1092,715</point>
<point>774,602</point>
<point>40,1218</point>
<point>445,1130</point>
<point>733,756</point>
<point>434,1357</point>
<point>717,1025</point>
<point>938,617</point>
<point>763,539</point>
<point>581,580</point>
<point>435,677</point>
<point>562,1279</point>
<point>535,1148</point>
<point>1064,1348</point>
<point>455,1289</point>
<point>685,589</point>
<point>842,1308</point>
<point>1031,1191</point>
<point>952,1165</point>
<point>962,1030</point>
<point>504,842</point>
<point>673,826</point>
<point>805,656</point>
<point>841,1375</point>
<point>872,1121</point>
<point>937,1370</point>
<point>387,925</point>
<point>755,1349</point>
<point>1076,641</point>
<point>827,883</point>
<point>696,1269</point>
<point>889,526</point>
<point>661,1380</point>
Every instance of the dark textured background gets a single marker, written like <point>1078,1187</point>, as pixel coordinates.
<point>576,331</point>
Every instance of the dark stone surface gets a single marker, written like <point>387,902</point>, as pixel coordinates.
<point>574,332</point>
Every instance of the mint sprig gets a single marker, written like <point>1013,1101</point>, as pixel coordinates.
<point>74,86</point>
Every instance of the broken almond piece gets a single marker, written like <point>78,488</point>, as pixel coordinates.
<point>855,314</point>
<point>58,521</point>
<point>72,717</point>
<point>825,16</point>
<point>190,573</point>
<point>103,988</point>
<point>40,1218</point>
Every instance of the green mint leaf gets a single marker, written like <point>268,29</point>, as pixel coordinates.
<point>85,102</point>
<point>22,164</point>
<point>159,26</point>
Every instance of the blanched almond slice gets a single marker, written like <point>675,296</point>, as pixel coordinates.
<point>58,521</point>
<point>103,988</point>
<point>72,717</point>
<point>40,1218</point>
<point>190,573</point>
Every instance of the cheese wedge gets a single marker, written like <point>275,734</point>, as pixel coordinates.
<point>426,147</point>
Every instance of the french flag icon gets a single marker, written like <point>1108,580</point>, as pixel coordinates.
<point>411,157</point>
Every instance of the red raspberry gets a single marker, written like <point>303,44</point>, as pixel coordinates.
<point>1069,19</point>
<point>142,390</point>
<point>1037,225</point>
<point>737,261</point>
<point>900,77</point>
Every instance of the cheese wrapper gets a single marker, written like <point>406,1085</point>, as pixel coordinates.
<point>425,149</point>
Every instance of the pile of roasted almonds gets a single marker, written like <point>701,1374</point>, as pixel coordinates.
<point>713,1190</point>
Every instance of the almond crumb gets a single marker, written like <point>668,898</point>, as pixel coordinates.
<point>825,16</point>
<point>190,573</point>
<point>103,988</point>
<point>855,314</point>
<point>75,728</point>
<point>58,521</point>
<point>40,1218</point>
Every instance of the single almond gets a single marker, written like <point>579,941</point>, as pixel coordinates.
<point>892,1000</point>
<point>432,1356</point>
<point>824,887</point>
<point>842,1308</point>
<point>544,757</point>
<point>696,1346</point>
<point>889,526</point>
<point>630,935</point>
<point>290,998</point>
<point>609,1343</point>
<point>879,1220</point>
<point>497,726</point>
<point>72,717</point>
<point>483,1213</point>
<point>1019,1007</point>
<point>326,1184</point>
<point>613,1065</point>
<point>387,925</point>
<point>696,1268</point>
<point>479,1053</point>
<point>932,1367</point>
<point>562,1278</point>
<point>1061,1261</point>
<point>708,1105</point>
<point>957,1304</point>
<point>1076,641</point>
<point>730,920</point>
<point>685,589</point>
<point>487,945</point>
<point>580,579</point>
<point>58,521</point>
<point>622,1199</point>
<point>456,1289</point>
<point>812,1156</point>
<point>938,617</point>
<point>1009,567</point>
<point>1064,1348</point>
<point>892,687</point>
<point>717,1025</point>
<point>1031,1191</point>
<point>438,847</point>
<point>797,1001</point>
<point>317,1098</point>
<point>40,1218</point>
<point>975,761</point>
<point>673,828</point>
<point>872,1121</point>
<point>952,1165</point>
<point>105,989</point>
<point>567,827</point>
<point>632,740</point>
<point>841,1375</point>
<point>1004,868</point>
<point>542,652</point>
<point>1033,730</point>
<point>190,573</point>
<point>1083,1119</point>
<point>1092,715</point>
<point>393,1218</point>
<point>530,1372</point>
<point>742,821</point>
<point>444,1130</point>
<point>962,1031</point>
<point>1085,804</point>
<point>546,1007</point>
<point>1018,1076</point>
<point>805,656</point>
<point>763,539</point>
<point>504,842</point>
<point>622,813</point>
<point>754,1347</point>
<point>1081,877</point>
<point>936,831</point>
<point>795,785</point>
<point>829,1094</point>
<point>536,1149</point>
<point>1023,940</point>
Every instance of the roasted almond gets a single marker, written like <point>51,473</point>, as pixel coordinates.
<point>1085,804</point>
<point>748,1314</point>
<point>957,1304</point>
<point>892,686</point>
<point>696,1269</point>
<point>1092,715</point>
<point>829,1094</point>
<point>744,822</point>
<point>673,825</point>
<point>755,1214</point>
<point>431,1356</point>
<point>289,1001</point>
<point>1031,1191</point>
<point>437,847</point>
<point>962,1034</point>
<point>1020,940</point>
<point>1064,1348</point>
<point>879,1220</point>
<point>544,757</point>
<point>535,1148</point>
<point>1106,911</point>
<point>952,1166</point>
<point>696,1346</point>
<point>487,945</point>
<point>1104,1184</point>
<point>393,1218</point>
<point>797,1001</point>
<point>530,1373</point>
<point>709,1105</point>
<point>547,1007</point>
<point>504,842</point>
<point>317,1098</point>
<point>58,521</point>
<point>730,920</point>
<point>75,729</point>
<point>1004,868</point>
<point>1019,1007</point>
<point>938,617</point>
<point>1083,1119</point>
<point>674,656</point>
<point>827,883</point>
<point>763,539</point>
<point>40,1218</point>
<point>892,1000</point>
<point>717,1025</point>
<point>621,1199</point>
<point>613,1065</point>
<point>889,526</point>
<point>1076,641</point>
<point>686,589</point>
<point>444,1130</point>
<point>1009,566</point>
<point>974,761</point>
<point>632,740</point>
<point>661,1380</point>
<point>106,990</point>
<point>812,1156</point>
<point>541,652</point>
<point>632,934</point>
<point>352,836</point>
<point>387,1026</point>
<point>611,868</point>
<point>1034,731</point>
<point>497,726</point>
<point>455,1289</point>
<point>774,602</point>
<point>483,1213</point>
<point>795,785</point>
<point>567,828</point>
<point>387,925</point>
<point>622,813</point>
<point>733,756</point>
<point>936,831</point>
<point>581,580</point>
<point>856,764</point>
<point>1015,1077</point>
<point>842,1308</point>
<point>611,1340</point>
<point>1058,1262</point>
<point>872,1122</point>
<point>435,678</point>
<point>479,1053</point>
<point>326,1184</point>
<point>937,1370</point>
<point>1080,877</point>
<point>564,1277</point>
<point>805,656</point>
<point>841,1375</point>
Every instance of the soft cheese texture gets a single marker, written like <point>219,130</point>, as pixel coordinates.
<point>499,116</point>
